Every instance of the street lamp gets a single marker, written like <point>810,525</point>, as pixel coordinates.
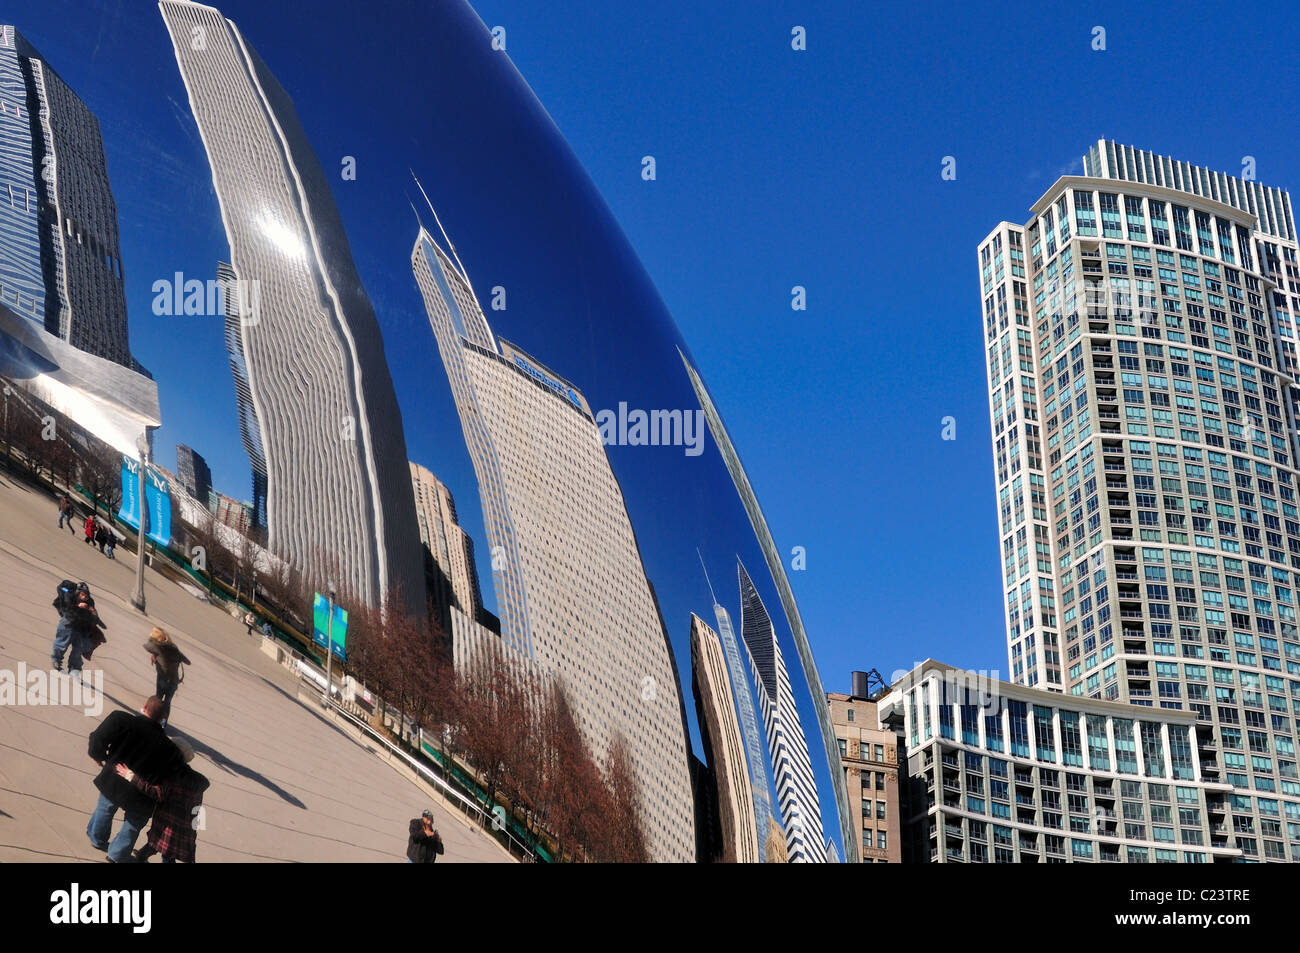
<point>329,648</point>
<point>142,445</point>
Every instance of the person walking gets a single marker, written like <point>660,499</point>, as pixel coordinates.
<point>425,843</point>
<point>167,660</point>
<point>66,514</point>
<point>90,530</point>
<point>110,544</point>
<point>174,831</point>
<point>136,740</point>
<point>101,535</point>
<point>250,620</point>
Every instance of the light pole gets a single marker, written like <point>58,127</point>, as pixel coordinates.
<point>138,599</point>
<point>329,647</point>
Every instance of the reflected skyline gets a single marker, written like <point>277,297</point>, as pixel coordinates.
<point>589,311</point>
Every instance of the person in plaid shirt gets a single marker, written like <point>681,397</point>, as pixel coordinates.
<point>173,834</point>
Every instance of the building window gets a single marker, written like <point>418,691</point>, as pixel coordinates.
<point>881,842</point>
<point>851,712</point>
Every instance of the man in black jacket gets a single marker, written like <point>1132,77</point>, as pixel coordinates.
<point>425,844</point>
<point>139,742</point>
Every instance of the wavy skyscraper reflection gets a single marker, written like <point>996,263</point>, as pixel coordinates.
<point>578,603</point>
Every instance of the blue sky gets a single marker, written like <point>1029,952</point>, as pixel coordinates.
<point>775,168</point>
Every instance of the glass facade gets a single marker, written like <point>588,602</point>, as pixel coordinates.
<point>1143,449</point>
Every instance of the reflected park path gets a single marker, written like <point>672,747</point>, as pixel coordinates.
<point>287,783</point>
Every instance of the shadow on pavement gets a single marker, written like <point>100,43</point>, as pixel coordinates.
<point>221,761</point>
<point>234,767</point>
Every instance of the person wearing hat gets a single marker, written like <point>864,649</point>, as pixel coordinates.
<point>425,843</point>
<point>178,817</point>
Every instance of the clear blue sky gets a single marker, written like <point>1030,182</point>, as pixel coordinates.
<point>775,168</point>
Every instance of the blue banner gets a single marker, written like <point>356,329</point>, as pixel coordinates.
<point>321,620</point>
<point>130,511</point>
<point>157,498</point>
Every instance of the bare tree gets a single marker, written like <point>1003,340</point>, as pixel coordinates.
<point>100,475</point>
<point>620,833</point>
<point>245,560</point>
<point>211,557</point>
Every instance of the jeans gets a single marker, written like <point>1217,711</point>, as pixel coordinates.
<point>66,638</point>
<point>165,690</point>
<point>101,825</point>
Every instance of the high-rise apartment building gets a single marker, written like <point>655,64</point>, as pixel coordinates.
<point>193,473</point>
<point>1140,331</point>
<point>1001,773</point>
<point>450,550</point>
<point>60,265</point>
<point>724,747</point>
<point>571,588</point>
<point>796,791</point>
<point>338,489</point>
<point>869,759</point>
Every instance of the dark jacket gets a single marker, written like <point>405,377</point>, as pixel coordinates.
<point>85,621</point>
<point>168,658</point>
<point>140,743</point>
<point>423,848</point>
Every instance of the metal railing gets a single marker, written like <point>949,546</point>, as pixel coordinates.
<point>307,671</point>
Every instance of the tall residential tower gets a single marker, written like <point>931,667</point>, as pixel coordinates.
<point>1139,335</point>
<point>338,489</point>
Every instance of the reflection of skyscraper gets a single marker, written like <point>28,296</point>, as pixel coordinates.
<point>193,473</point>
<point>746,716</point>
<point>796,791</point>
<point>450,548</point>
<point>715,707</point>
<point>249,432</point>
<point>338,491</point>
<point>60,261</point>
<point>571,587</point>
<point>847,813</point>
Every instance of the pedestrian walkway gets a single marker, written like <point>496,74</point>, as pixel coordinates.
<point>287,783</point>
